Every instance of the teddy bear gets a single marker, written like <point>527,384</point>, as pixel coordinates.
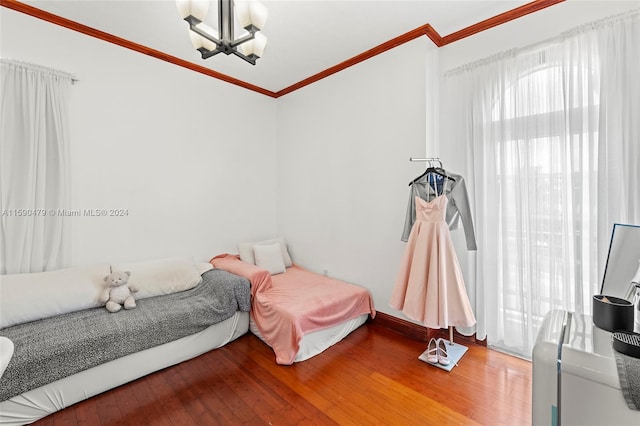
<point>118,291</point>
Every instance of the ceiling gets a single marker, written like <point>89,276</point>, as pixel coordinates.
<point>305,37</point>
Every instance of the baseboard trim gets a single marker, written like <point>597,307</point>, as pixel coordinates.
<point>419,332</point>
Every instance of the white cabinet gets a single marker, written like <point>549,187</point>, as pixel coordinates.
<point>573,359</point>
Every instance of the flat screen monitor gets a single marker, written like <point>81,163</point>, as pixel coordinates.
<point>623,260</point>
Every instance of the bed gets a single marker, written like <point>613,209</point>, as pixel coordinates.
<point>112,349</point>
<point>298,313</point>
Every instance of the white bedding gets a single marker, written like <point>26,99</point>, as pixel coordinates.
<point>45,400</point>
<point>317,342</point>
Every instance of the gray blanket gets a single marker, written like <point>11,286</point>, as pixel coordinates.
<point>57,347</point>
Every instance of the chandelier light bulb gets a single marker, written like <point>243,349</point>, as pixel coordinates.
<point>259,43</point>
<point>256,46</point>
<point>251,13</point>
<point>196,8</point>
<point>198,41</point>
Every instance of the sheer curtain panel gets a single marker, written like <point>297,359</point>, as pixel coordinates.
<point>619,156</point>
<point>553,133</point>
<point>34,162</point>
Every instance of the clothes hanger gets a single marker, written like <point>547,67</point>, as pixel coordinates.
<point>439,170</point>
<point>435,170</point>
<point>426,172</point>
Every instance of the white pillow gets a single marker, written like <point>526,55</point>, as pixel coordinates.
<point>246,251</point>
<point>162,276</point>
<point>269,257</point>
<point>29,297</point>
<point>203,267</point>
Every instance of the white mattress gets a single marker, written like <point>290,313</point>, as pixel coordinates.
<point>318,341</point>
<point>38,403</point>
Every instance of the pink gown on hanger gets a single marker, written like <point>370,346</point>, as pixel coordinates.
<point>430,287</point>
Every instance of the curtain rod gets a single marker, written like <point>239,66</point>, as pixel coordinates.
<point>594,25</point>
<point>39,68</point>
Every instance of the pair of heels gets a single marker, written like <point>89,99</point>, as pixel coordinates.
<point>437,352</point>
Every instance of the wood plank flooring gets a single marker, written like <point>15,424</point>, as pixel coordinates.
<point>372,377</point>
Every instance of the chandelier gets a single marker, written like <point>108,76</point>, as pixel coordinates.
<point>251,16</point>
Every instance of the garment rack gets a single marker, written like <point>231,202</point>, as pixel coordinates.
<point>425,159</point>
<point>429,160</point>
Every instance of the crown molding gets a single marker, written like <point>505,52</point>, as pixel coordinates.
<point>500,19</point>
<point>424,30</point>
<point>110,38</point>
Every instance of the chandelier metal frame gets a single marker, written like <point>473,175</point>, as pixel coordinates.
<point>225,42</point>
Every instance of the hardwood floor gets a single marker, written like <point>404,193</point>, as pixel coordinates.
<point>372,377</point>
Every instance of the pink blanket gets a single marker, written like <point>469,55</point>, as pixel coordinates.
<point>287,306</point>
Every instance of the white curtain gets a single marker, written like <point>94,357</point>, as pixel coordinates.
<point>619,155</point>
<point>34,159</point>
<point>553,133</point>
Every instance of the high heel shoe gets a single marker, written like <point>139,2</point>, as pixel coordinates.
<point>441,352</point>
<point>432,351</point>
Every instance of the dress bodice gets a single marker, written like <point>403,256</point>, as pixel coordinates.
<point>431,211</point>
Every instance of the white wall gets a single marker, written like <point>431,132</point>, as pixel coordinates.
<point>170,145</point>
<point>344,144</point>
<point>343,149</point>
<point>329,170</point>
